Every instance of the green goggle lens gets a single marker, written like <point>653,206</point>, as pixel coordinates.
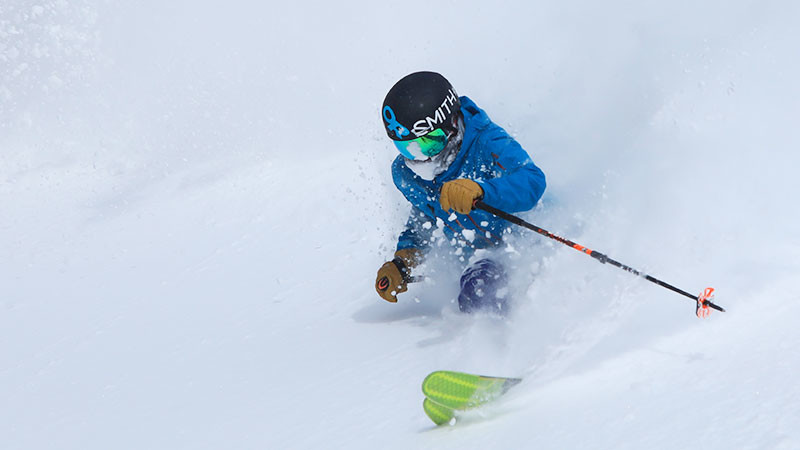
<point>425,146</point>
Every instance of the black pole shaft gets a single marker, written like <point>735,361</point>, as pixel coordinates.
<point>596,255</point>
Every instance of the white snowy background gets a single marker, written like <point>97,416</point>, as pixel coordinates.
<point>195,198</point>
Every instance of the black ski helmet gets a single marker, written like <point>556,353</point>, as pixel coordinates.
<point>418,104</point>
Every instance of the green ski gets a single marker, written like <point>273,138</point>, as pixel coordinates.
<point>447,391</point>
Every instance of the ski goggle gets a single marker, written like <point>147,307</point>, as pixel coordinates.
<point>423,147</point>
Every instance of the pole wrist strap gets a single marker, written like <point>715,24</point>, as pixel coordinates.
<point>403,268</point>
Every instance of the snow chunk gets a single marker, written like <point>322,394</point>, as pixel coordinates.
<point>469,235</point>
<point>452,217</point>
<point>438,233</point>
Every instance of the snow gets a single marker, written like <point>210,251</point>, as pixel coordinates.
<point>194,200</point>
<point>469,235</point>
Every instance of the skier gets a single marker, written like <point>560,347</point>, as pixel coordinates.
<point>452,154</point>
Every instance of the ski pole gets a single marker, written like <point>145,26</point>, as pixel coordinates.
<point>703,300</point>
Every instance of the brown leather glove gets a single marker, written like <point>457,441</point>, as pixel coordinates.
<point>393,275</point>
<point>460,195</point>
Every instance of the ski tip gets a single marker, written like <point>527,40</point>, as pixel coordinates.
<point>439,414</point>
<point>430,376</point>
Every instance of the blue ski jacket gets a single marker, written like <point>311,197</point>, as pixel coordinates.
<point>510,180</point>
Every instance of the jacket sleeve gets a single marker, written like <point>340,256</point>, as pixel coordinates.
<point>418,232</point>
<point>521,183</point>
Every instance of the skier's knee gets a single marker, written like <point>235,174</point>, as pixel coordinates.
<point>483,287</point>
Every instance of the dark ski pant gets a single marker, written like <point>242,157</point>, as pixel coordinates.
<point>480,284</point>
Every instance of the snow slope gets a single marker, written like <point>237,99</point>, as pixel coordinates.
<point>195,197</point>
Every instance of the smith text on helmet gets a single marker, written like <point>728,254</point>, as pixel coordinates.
<point>428,124</point>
